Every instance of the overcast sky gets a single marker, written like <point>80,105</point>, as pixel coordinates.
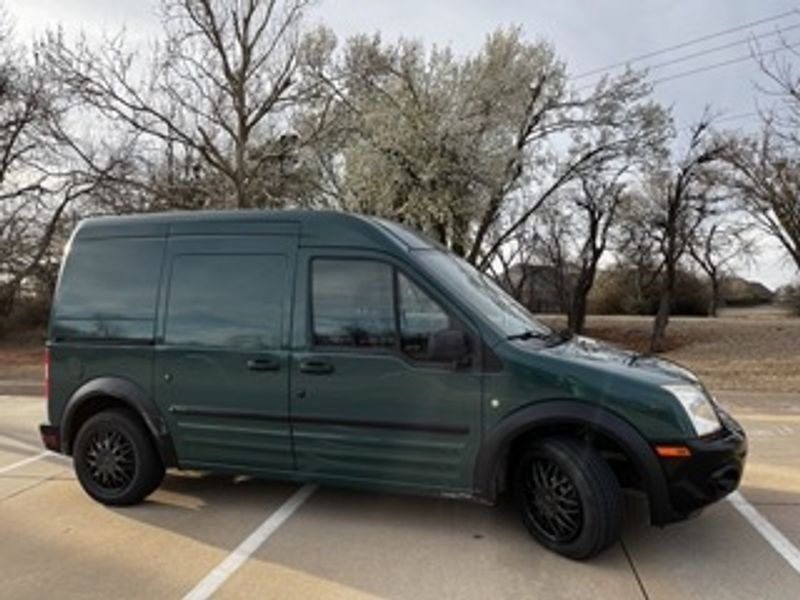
<point>587,34</point>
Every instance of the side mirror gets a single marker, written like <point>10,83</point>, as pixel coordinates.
<point>449,345</point>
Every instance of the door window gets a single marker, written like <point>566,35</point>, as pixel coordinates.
<point>352,304</point>
<point>420,318</point>
<point>226,301</point>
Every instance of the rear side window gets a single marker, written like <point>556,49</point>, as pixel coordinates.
<point>110,280</point>
<point>233,301</point>
<point>352,303</point>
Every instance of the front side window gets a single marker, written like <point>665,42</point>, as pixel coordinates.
<point>420,318</point>
<point>369,304</point>
<point>352,304</point>
<point>232,301</point>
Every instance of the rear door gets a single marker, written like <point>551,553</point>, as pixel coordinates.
<point>222,371</point>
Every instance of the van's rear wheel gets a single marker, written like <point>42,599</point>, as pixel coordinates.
<point>115,460</point>
<point>568,497</point>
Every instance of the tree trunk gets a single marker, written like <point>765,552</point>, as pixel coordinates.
<point>576,319</point>
<point>713,305</point>
<point>8,295</point>
<point>664,308</point>
<point>241,200</point>
<point>561,288</point>
<point>662,315</point>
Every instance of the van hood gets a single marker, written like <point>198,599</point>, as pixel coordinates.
<point>610,357</point>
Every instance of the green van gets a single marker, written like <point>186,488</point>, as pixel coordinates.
<point>349,350</point>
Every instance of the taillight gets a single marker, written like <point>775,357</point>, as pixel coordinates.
<point>47,373</point>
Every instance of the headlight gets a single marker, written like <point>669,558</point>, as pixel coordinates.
<point>698,408</point>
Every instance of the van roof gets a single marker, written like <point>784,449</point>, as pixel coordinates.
<point>315,228</point>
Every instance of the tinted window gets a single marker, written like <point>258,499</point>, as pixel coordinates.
<point>352,303</point>
<point>420,317</point>
<point>226,300</point>
<point>107,280</point>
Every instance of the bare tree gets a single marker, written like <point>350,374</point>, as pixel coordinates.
<point>25,112</point>
<point>782,86</point>
<point>219,90</point>
<point>714,246</point>
<point>636,248</point>
<point>616,125</point>
<point>765,168</point>
<point>43,171</point>
<point>588,208</point>
<point>598,202</point>
<point>681,200</point>
<point>554,254</point>
<point>765,177</point>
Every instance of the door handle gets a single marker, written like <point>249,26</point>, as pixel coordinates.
<point>263,364</point>
<point>315,366</point>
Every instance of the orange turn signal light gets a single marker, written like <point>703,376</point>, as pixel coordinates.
<point>673,451</point>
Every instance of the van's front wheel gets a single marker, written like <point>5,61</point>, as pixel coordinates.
<point>568,497</point>
<point>115,460</point>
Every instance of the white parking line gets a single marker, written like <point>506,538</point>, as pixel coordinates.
<point>211,582</point>
<point>23,445</point>
<point>768,531</point>
<point>25,461</point>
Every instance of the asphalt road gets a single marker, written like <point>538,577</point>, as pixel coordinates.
<point>241,538</point>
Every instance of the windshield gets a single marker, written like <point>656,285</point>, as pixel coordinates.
<point>481,293</point>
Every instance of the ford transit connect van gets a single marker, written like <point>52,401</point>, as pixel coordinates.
<point>347,350</point>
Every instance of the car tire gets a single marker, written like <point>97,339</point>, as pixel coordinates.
<point>568,497</point>
<point>115,459</point>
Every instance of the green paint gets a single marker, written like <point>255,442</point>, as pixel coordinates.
<point>209,315</point>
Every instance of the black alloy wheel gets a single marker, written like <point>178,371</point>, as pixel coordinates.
<point>552,501</point>
<point>110,458</point>
<point>568,496</point>
<point>115,459</point>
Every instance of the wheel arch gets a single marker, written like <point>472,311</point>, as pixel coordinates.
<point>109,392</point>
<point>546,417</point>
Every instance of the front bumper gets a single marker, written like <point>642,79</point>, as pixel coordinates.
<point>713,471</point>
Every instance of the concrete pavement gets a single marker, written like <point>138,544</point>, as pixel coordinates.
<point>350,544</point>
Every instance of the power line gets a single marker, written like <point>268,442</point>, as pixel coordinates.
<point>778,115</point>
<point>701,53</point>
<point>737,117</point>
<point>721,64</point>
<point>734,117</point>
<point>685,44</point>
<point>710,67</point>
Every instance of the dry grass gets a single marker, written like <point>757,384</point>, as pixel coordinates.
<point>21,355</point>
